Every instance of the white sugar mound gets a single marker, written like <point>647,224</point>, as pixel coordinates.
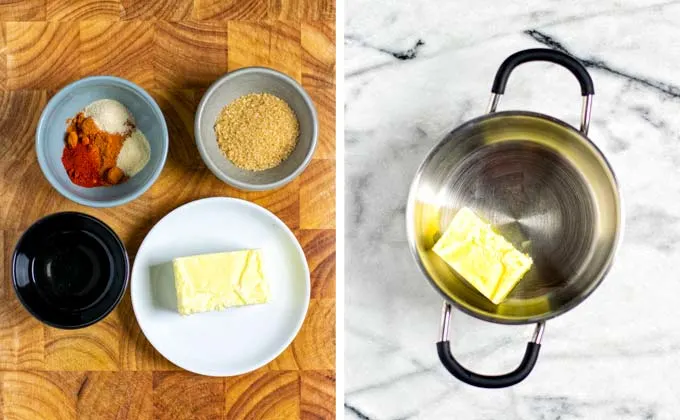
<point>110,115</point>
<point>134,154</point>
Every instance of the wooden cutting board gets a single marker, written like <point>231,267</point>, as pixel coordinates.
<point>174,49</point>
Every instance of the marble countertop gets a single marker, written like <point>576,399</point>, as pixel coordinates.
<point>416,69</point>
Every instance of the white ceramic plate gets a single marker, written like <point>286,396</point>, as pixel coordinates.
<point>236,340</point>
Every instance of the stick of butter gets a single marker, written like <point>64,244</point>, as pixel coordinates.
<point>484,258</point>
<point>212,282</point>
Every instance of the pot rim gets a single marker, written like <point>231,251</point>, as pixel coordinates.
<point>410,234</point>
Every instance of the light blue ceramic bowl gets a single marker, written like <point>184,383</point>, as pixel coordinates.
<point>242,82</point>
<point>49,140</point>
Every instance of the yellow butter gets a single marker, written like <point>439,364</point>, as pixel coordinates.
<point>212,282</point>
<point>484,258</point>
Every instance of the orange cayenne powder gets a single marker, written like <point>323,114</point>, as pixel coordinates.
<point>90,154</point>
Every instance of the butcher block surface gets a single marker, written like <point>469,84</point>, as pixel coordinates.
<point>174,49</point>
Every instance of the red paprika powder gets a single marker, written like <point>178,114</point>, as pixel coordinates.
<point>82,165</point>
<point>90,154</point>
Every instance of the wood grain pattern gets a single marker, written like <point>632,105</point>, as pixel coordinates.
<point>318,43</point>
<point>314,346</point>
<point>263,396</point>
<point>118,49</point>
<point>296,10</point>
<point>21,339</point>
<point>167,10</point>
<point>317,395</point>
<point>115,395</point>
<point>249,44</point>
<point>230,10</point>
<point>7,240</point>
<point>317,192</point>
<point>285,51</point>
<point>40,395</point>
<point>323,10</point>
<point>3,59</point>
<point>17,134</point>
<point>59,10</point>
<point>283,202</point>
<point>182,395</point>
<point>22,10</point>
<point>41,55</point>
<point>174,49</point>
<point>179,108</point>
<point>324,101</point>
<point>319,247</point>
<point>93,348</point>
<point>19,210</point>
<point>179,186</point>
<point>285,361</point>
<point>270,44</point>
<point>189,54</point>
<point>286,10</point>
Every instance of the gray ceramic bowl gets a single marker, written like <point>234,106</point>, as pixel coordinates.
<point>49,140</point>
<point>242,82</point>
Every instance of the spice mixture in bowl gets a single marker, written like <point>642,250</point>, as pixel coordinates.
<point>90,153</point>
<point>256,129</point>
<point>102,141</point>
<point>103,146</point>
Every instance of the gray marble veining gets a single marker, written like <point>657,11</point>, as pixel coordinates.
<point>415,70</point>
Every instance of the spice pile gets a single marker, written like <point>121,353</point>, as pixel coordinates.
<point>257,131</point>
<point>103,147</point>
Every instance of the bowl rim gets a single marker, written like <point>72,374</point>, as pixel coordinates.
<point>616,246</point>
<point>40,135</point>
<point>121,247</point>
<point>246,186</point>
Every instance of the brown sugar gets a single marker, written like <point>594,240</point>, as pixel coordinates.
<point>257,131</point>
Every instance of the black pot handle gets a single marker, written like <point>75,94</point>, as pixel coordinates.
<point>487,381</point>
<point>544,54</point>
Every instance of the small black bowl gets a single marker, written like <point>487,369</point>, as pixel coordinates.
<point>70,270</point>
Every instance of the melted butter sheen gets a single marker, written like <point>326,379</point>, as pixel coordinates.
<point>213,282</point>
<point>484,258</point>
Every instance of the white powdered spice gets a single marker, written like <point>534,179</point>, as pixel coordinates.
<point>134,154</point>
<point>110,116</point>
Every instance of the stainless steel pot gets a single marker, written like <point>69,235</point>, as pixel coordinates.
<point>544,186</point>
